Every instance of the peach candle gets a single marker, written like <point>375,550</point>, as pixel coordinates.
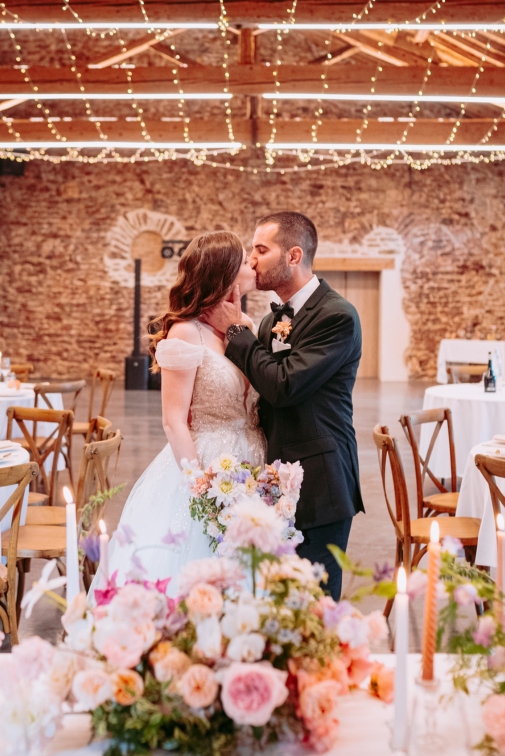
<point>430,607</point>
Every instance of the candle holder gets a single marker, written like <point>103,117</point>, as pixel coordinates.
<point>439,723</point>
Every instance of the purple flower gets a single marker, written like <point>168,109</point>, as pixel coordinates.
<point>91,547</point>
<point>138,571</point>
<point>241,475</point>
<point>453,546</point>
<point>485,631</point>
<point>174,539</point>
<point>125,535</point>
<point>333,614</point>
<point>286,547</point>
<point>466,594</point>
<point>385,572</point>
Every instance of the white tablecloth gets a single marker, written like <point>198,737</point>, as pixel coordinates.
<point>25,397</point>
<point>475,501</point>
<point>17,456</point>
<point>465,351</point>
<point>364,722</point>
<point>476,417</point>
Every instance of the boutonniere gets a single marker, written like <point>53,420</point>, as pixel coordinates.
<point>283,328</point>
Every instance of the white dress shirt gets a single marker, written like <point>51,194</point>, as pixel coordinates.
<point>296,301</point>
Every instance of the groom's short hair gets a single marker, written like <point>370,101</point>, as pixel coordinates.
<point>295,230</point>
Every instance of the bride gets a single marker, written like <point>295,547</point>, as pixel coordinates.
<point>208,408</point>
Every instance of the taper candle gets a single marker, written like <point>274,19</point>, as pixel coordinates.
<point>430,606</point>
<point>398,742</point>
<point>104,554</point>
<point>500,564</point>
<point>73,586</point>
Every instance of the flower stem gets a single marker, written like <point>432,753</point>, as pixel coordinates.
<point>253,569</point>
<point>58,600</point>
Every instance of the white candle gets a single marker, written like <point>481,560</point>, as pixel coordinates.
<point>73,586</point>
<point>500,565</point>
<point>398,742</point>
<point>104,555</point>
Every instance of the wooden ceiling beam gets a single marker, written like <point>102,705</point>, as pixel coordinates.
<point>464,45</point>
<point>256,79</point>
<point>373,49</point>
<point>248,12</point>
<point>114,58</point>
<point>424,131</point>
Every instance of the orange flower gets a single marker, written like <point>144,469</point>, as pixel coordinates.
<point>382,682</point>
<point>283,328</point>
<point>127,687</point>
<point>168,663</point>
<point>311,672</point>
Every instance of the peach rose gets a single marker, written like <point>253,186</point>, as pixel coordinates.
<point>493,716</point>
<point>169,664</point>
<point>319,702</point>
<point>127,687</point>
<point>91,687</point>
<point>251,692</point>
<point>311,672</point>
<point>204,601</point>
<point>382,682</point>
<point>358,664</point>
<point>198,686</point>
<point>75,611</point>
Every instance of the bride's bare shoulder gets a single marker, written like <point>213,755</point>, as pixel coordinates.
<point>185,331</point>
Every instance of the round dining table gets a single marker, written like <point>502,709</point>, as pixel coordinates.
<point>12,454</point>
<point>476,417</point>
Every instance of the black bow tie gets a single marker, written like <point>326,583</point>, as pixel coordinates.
<point>280,310</point>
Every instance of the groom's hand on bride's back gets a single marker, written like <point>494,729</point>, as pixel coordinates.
<point>225,314</point>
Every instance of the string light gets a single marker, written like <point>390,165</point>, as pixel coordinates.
<point>223,27</point>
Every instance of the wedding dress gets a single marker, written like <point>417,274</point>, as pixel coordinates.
<point>223,418</point>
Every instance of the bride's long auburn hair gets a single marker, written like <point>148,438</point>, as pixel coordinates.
<point>207,270</point>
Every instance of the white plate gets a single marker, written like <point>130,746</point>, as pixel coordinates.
<point>8,445</point>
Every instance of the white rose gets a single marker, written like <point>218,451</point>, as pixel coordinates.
<point>79,636</point>
<point>91,687</point>
<point>286,506</point>
<point>75,611</point>
<point>240,618</point>
<point>213,530</point>
<point>246,648</point>
<point>208,637</point>
<point>225,516</point>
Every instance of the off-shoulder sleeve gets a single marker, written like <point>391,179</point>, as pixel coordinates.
<point>175,354</point>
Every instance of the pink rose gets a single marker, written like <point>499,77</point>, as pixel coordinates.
<point>198,686</point>
<point>91,687</point>
<point>323,736</point>
<point>318,708</point>
<point>204,601</point>
<point>286,506</point>
<point>493,716</point>
<point>358,664</point>
<point>133,603</point>
<point>291,478</point>
<point>251,692</point>
<point>377,626</point>
<point>33,657</point>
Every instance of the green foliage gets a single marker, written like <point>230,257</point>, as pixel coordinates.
<point>384,588</point>
<point>96,503</point>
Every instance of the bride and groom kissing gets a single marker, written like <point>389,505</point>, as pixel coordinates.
<point>283,393</point>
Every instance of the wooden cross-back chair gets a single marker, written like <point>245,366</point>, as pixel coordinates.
<point>446,500</point>
<point>94,478</point>
<point>99,429</point>
<point>43,392</point>
<point>491,468</point>
<point>40,452</point>
<point>22,370</point>
<point>474,373</point>
<point>413,535</point>
<point>20,476</point>
<point>102,379</point>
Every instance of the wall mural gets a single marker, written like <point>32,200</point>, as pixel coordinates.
<point>141,234</point>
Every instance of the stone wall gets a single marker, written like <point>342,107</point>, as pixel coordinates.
<point>65,246</point>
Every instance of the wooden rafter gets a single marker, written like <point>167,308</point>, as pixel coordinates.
<point>373,49</point>
<point>464,45</point>
<point>423,131</point>
<point>7,104</point>
<point>256,79</point>
<point>114,58</point>
<point>248,12</point>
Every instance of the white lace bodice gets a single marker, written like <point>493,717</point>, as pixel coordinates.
<point>223,406</point>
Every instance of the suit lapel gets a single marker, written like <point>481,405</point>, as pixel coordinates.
<point>305,311</point>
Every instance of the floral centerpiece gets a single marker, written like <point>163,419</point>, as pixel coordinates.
<point>227,481</point>
<point>220,667</point>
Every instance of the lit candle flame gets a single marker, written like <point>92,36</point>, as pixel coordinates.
<point>500,522</point>
<point>434,532</point>
<point>68,495</point>
<point>102,526</point>
<point>401,580</point>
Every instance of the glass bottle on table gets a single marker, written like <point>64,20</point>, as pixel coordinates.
<point>489,376</point>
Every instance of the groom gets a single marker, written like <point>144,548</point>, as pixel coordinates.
<point>303,364</point>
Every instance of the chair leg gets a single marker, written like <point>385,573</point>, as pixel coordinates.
<point>23,566</point>
<point>398,561</point>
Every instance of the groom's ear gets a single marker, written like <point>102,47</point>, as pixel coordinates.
<point>295,257</point>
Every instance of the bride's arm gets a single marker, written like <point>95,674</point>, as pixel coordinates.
<point>176,394</point>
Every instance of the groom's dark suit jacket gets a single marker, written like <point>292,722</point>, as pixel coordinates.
<point>306,401</point>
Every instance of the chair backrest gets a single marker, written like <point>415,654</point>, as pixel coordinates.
<point>93,475</point>
<point>20,476</point>
<point>103,379</point>
<point>22,370</point>
<point>439,416</point>
<point>63,420</point>
<point>492,468</point>
<point>399,511</point>
<point>42,391</point>
<point>457,372</point>
<point>98,430</point>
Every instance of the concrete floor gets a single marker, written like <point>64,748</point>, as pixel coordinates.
<point>138,415</point>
